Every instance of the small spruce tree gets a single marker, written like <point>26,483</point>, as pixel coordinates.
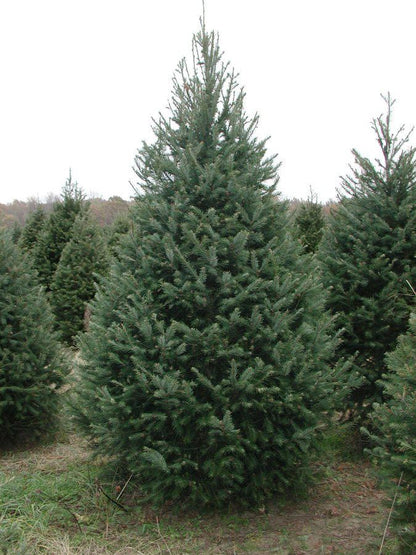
<point>31,363</point>
<point>367,255</point>
<point>115,233</point>
<point>205,368</point>
<point>309,223</point>
<point>57,231</point>
<point>394,423</point>
<point>32,229</point>
<point>16,232</point>
<point>83,259</point>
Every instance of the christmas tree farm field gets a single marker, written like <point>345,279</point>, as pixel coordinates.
<point>55,499</point>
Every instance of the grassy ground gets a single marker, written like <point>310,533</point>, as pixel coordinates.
<point>53,501</point>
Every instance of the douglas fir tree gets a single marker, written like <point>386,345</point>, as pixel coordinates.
<point>368,254</point>
<point>205,369</point>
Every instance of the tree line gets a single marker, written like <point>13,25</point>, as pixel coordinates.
<point>224,333</point>
<point>15,214</point>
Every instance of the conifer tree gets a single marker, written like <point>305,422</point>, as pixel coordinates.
<point>83,259</point>
<point>32,229</point>
<point>115,233</point>
<point>16,232</point>
<point>395,435</point>
<point>369,253</point>
<point>31,364</point>
<point>309,223</point>
<point>205,368</point>
<point>57,231</point>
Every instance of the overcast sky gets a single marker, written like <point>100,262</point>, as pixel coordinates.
<point>82,79</point>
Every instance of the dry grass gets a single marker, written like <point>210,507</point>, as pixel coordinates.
<point>56,457</point>
<point>345,513</point>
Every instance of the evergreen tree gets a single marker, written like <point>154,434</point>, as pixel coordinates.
<point>395,424</point>
<point>115,233</point>
<point>309,223</point>
<point>368,255</point>
<point>57,231</point>
<point>32,229</point>
<point>205,368</point>
<point>16,232</point>
<point>31,365</point>
<point>73,286</point>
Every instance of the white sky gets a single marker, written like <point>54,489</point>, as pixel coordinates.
<point>81,80</point>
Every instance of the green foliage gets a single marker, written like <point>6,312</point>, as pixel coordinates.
<point>16,232</point>
<point>115,233</point>
<point>205,368</point>
<point>309,224</point>
<point>30,361</point>
<point>57,231</point>
<point>83,259</point>
<point>368,254</point>
<point>395,425</point>
<point>32,229</point>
